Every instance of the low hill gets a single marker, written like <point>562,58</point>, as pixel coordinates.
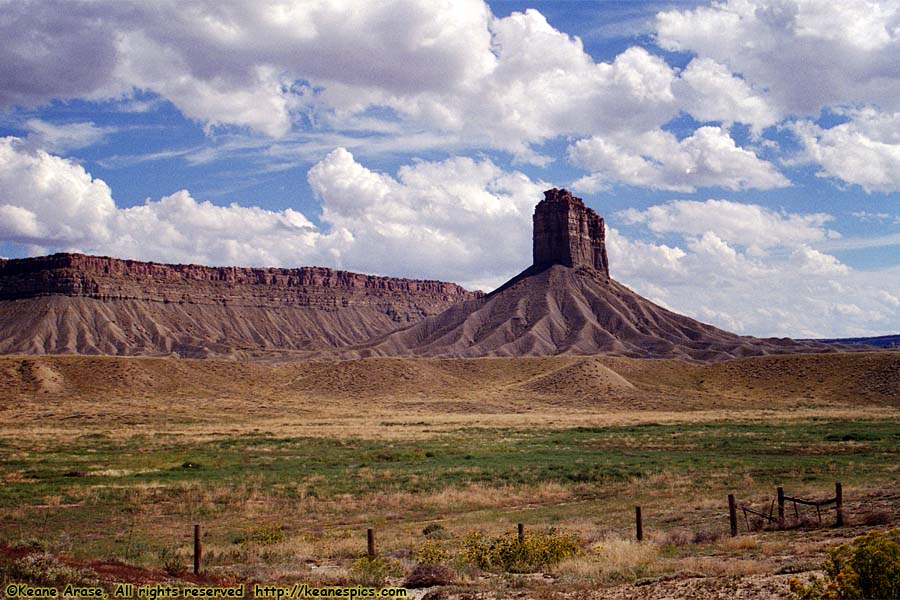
<point>152,388</point>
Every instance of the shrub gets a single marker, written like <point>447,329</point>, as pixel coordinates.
<point>30,544</point>
<point>678,537</point>
<point>172,563</point>
<point>683,537</point>
<point>876,517</point>
<point>428,576</point>
<point>434,530</point>
<point>868,567</point>
<point>705,535</point>
<point>623,560</point>
<point>507,553</point>
<point>373,572</point>
<point>264,535</point>
<point>45,570</point>
<point>431,553</point>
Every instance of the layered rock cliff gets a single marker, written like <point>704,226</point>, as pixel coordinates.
<point>105,278</point>
<point>568,233</point>
<point>75,303</point>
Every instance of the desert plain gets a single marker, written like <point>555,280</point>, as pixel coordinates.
<point>109,462</point>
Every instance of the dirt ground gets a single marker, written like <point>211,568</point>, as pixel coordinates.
<point>317,451</point>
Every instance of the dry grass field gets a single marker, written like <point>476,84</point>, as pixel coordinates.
<point>108,462</point>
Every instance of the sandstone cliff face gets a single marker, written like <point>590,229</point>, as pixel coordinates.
<point>75,303</point>
<point>106,278</point>
<point>568,233</point>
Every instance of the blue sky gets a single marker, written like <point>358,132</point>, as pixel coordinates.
<point>745,154</point>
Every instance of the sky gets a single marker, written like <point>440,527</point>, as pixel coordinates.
<point>745,154</point>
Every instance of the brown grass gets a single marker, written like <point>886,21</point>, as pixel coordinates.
<point>399,399</point>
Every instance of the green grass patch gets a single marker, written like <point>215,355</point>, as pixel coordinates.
<point>120,480</point>
<point>579,455</point>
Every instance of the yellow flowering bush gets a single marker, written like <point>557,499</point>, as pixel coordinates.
<point>373,571</point>
<point>432,553</point>
<point>868,567</point>
<point>507,553</point>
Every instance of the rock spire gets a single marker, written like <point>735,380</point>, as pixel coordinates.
<point>566,232</point>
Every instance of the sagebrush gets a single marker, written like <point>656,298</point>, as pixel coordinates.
<point>507,552</point>
<point>868,567</point>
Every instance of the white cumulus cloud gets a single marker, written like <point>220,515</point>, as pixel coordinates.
<point>807,54</point>
<point>460,219</point>
<point>411,74</point>
<point>543,85</point>
<point>749,225</point>
<point>864,151</point>
<point>239,63</point>
<point>49,200</point>
<point>449,70</point>
<point>657,159</point>
<point>709,91</point>
<point>753,271</point>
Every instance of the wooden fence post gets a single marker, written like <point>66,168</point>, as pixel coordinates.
<point>732,515</point>
<point>638,523</point>
<point>780,506</point>
<point>198,549</point>
<point>839,501</point>
<point>370,542</point>
<point>521,529</point>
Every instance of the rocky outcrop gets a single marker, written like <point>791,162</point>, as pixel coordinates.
<point>568,233</point>
<point>73,303</point>
<point>566,303</point>
<point>105,278</point>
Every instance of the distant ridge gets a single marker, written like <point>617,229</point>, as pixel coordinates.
<point>881,341</point>
<point>80,304</point>
<point>566,303</point>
